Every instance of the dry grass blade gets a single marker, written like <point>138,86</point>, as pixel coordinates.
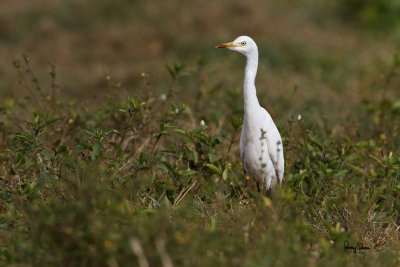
<point>165,258</point>
<point>138,251</point>
<point>183,193</point>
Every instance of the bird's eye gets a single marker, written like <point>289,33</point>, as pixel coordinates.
<point>243,43</point>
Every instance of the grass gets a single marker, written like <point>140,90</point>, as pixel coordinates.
<point>124,173</point>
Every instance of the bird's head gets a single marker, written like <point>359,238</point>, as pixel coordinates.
<point>243,44</point>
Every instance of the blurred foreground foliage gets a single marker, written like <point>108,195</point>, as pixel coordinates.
<point>140,181</point>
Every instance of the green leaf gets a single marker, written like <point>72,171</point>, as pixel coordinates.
<point>316,142</point>
<point>82,146</point>
<point>96,150</point>
<point>340,174</point>
<point>188,172</point>
<point>135,104</point>
<point>62,150</point>
<point>211,157</point>
<point>214,169</point>
<point>147,212</point>
<point>114,145</point>
<point>178,66</point>
<point>92,133</point>
<point>195,157</point>
<point>236,122</point>
<point>180,131</point>
<point>307,162</point>
<point>51,120</point>
<point>162,167</point>
<point>37,118</point>
<point>170,168</point>
<point>109,131</point>
<point>225,175</point>
<point>143,157</point>
<point>170,70</point>
<point>47,155</point>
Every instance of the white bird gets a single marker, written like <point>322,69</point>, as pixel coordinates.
<point>261,148</point>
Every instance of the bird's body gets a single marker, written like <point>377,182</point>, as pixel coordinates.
<point>261,148</point>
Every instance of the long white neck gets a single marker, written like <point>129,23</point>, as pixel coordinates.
<point>249,88</point>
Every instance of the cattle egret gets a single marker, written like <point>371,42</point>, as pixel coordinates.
<point>261,148</point>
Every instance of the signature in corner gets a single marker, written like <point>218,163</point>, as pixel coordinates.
<point>358,247</point>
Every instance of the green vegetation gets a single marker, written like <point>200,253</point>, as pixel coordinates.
<point>375,14</point>
<point>110,165</point>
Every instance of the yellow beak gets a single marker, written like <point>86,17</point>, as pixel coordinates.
<point>227,45</point>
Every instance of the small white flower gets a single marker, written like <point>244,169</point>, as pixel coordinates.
<point>163,97</point>
<point>202,123</point>
<point>176,111</point>
<point>299,117</point>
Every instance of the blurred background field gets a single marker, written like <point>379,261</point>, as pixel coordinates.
<point>328,51</point>
<point>106,154</point>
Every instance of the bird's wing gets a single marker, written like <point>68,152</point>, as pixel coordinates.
<point>242,154</point>
<point>275,145</point>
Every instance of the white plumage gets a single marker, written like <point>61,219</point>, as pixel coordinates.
<point>261,148</point>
